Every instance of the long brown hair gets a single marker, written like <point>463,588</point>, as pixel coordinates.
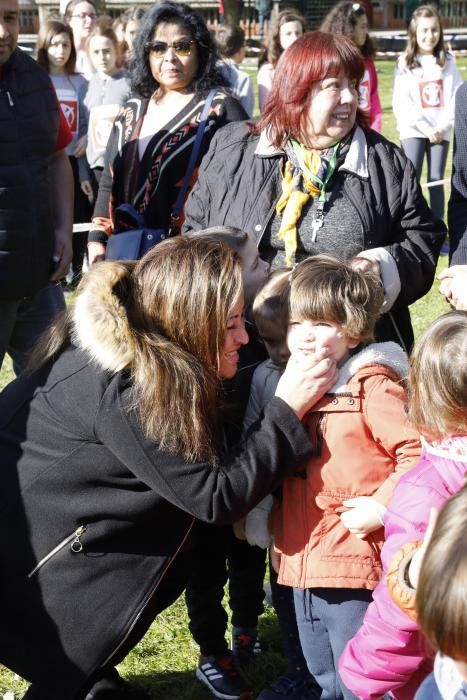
<point>438,378</point>
<point>342,19</point>
<point>167,316</point>
<point>439,52</point>
<point>272,52</point>
<point>47,31</point>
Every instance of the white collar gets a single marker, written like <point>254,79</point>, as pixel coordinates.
<point>356,160</point>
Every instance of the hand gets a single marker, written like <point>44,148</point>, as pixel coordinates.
<point>417,559</point>
<point>306,378</point>
<point>256,524</point>
<point>435,136</point>
<point>96,252</point>
<point>86,187</point>
<point>275,558</point>
<point>80,148</point>
<point>454,286</point>
<point>366,265</point>
<point>239,529</point>
<point>62,255</point>
<point>365,515</point>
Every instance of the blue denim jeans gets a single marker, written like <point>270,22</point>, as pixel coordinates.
<point>327,618</point>
<point>22,322</point>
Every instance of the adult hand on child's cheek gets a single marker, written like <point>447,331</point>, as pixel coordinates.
<point>306,378</point>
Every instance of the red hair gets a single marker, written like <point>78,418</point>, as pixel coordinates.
<point>311,58</point>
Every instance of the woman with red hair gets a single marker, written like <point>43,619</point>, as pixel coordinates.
<point>310,177</point>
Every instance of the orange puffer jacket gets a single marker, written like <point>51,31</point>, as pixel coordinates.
<point>365,444</point>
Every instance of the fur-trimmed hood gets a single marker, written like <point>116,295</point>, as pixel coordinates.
<point>387,354</point>
<point>100,322</point>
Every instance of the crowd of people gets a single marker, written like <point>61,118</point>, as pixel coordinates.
<point>235,384</point>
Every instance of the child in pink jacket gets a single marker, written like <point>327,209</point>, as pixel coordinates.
<point>389,653</point>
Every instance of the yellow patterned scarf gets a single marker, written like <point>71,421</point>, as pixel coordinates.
<point>307,172</point>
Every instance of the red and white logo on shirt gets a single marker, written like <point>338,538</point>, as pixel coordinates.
<point>431,94</point>
<point>364,92</point>
<point>70,108</point>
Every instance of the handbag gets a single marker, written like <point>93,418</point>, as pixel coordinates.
<point>132,239</point>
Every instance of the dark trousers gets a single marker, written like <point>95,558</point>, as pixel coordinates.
<point>220,556</point>
<point>327,618</point>
<point>22,323</point>
<point>82,212</point>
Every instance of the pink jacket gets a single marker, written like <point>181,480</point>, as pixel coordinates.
<point>389,652</point>
<point>368,96</point>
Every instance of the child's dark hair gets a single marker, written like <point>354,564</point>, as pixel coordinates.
<point>438,378</point>
<point>441,592</point>
<point>324,288</point>
<point>342,19</point>
<point>230,38</point>
<point>47,31</point>
<point>439,52</point>
<point>269,302</point>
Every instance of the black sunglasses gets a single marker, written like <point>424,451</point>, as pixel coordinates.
<point>182,47</point>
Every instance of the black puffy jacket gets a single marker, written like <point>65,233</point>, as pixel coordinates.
<point>237,187</point>
<point>29,122</point>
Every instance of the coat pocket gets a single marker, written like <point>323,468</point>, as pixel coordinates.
<point>76,546</point>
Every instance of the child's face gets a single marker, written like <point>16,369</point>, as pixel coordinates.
<point>307,337</point>
<point>274,335</point>
<point>254,270</point>
<point>427,34</point>
<point>59,51</point>
<point>103,55</point>
<point>360,31</point>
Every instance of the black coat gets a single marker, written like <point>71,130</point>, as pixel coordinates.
<point>93,514</point>
<point>237,187</point>
<point>29,120</point>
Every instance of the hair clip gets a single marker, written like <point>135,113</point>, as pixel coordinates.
<point>356,6</point>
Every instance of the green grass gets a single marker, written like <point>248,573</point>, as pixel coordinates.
<point>163,662</point>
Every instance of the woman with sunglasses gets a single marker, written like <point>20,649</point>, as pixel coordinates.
<point>172,73</point>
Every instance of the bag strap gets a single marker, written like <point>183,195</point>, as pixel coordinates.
<point>194,155</point>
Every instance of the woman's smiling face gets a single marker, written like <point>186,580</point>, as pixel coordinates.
<point>332,112</point>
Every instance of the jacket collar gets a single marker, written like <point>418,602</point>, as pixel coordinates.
<point>388,355</point>
<point>100,323</point>
<point>356,160</point>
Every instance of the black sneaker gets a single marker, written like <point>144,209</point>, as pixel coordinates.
<point>245,644</point>
<point>219,674</point>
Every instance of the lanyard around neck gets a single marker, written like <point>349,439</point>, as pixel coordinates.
<point>332,164</point>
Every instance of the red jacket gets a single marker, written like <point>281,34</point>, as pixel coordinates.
<point>366,445</point>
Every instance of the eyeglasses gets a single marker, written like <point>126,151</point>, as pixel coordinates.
<point>83,15</point>
<point>182,47</point>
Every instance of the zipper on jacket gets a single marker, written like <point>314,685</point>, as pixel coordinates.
<point>9,97</point>
<point>147,598</point>
<point>76,547</point>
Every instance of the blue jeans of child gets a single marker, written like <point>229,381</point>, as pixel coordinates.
<point>327,618</point>
<point>22,323</point>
